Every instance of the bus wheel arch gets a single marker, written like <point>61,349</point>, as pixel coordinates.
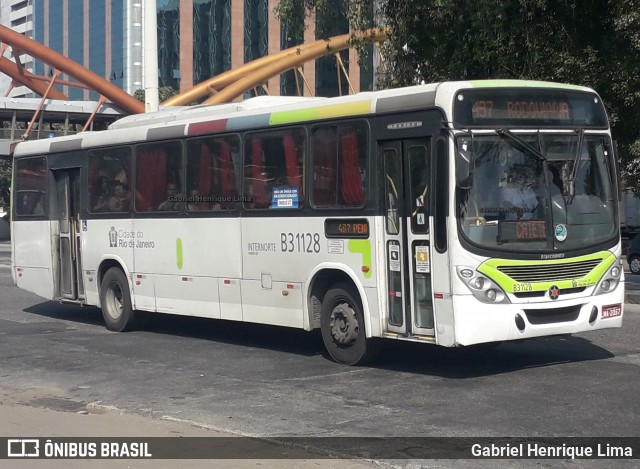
<point>336,298</point>
<point>115,297</point>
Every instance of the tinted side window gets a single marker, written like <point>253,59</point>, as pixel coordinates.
<point>109,180</point>
<point>211,174</point>
<point>159,177</point>
<point>340,154</point>
<point>30,186</point>
<point>273,169</point>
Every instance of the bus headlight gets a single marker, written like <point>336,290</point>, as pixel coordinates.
<point>610,279</point>
<point>483,288</point>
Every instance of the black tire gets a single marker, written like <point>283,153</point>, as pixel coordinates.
<point>115,299</point>
<point>634,264</point>
<point>342,326</point>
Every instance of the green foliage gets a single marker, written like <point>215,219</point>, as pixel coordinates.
<point>5,183</point>
<point>164,93</point>
<point>594,43</point>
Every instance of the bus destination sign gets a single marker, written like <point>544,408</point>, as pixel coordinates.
<point>346,228</point>
<point>490,109</point>
<point>528,108</point>
<point>523,230</point>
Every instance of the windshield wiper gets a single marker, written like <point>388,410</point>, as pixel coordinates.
<point>576,166</point>
<point>521,144</point>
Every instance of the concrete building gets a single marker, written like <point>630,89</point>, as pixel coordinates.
<point>17,15</point>
<point>197,39</point>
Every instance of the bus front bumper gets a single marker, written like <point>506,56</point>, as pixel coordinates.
<point>476,322</point>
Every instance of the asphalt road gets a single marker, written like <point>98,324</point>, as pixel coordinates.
<point>264,381</point>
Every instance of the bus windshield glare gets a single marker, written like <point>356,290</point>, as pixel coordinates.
<point>536,193</point>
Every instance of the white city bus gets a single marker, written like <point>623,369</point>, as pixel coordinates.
<point>454,214</point>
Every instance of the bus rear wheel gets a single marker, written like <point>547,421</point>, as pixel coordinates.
<point>342,326</point>
<point>115,299</point>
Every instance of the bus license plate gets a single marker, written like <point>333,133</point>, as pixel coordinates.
<point>611,311</point>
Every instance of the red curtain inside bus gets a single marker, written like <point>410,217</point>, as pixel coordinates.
<point>151,181</point>
<point>258,181</point>
<point>294,177</point>
<point>351,180</point>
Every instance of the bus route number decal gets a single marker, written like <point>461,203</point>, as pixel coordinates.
<point>300,242</point>
<point>522,287</point>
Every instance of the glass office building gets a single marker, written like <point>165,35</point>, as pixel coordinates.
<point>197,39</point>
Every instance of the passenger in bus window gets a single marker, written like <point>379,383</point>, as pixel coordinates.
<point>121,192</point>
<point>195,201</point>
<point>102,194</point>
<point>170,204</point>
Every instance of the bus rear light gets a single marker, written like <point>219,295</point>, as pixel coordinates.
<point>438,296</point>
<point>290,286</point>
<point>227,282</point>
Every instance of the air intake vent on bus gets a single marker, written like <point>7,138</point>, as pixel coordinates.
<point>550,272</point>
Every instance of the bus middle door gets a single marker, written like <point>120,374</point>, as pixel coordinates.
<point>70,284</point>
<point>407,195</point>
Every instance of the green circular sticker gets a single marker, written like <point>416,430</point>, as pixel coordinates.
<point>561,232</point>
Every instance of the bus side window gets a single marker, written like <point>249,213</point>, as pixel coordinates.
<point>324,167</point>
<point>351,180</point>
<point>109,179</point>
<point>273,170</point>
<point>211,174</point>
<point>339,165</point>
<point>158,176</point>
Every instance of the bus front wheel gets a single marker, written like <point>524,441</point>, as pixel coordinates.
<point>342,326</point>
<point>115,299</point>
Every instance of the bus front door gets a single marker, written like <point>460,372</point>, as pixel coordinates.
<point>70,285</point>
<point>407,173</point>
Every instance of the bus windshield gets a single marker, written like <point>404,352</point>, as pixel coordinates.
<point>536,192</point>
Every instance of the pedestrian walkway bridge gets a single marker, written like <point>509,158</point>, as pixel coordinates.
<point>54,119</point>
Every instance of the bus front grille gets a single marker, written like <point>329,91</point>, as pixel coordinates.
<point>550,272</point>
<point>552,316</point>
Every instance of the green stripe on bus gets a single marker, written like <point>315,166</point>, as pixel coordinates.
<point>362,246</point>
<point>325,112</point>
<point>287,117</point>
<point>490,269</point>
<point>179,252</point>
<point>522,84</point>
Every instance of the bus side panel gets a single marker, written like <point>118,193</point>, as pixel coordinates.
<point>284,251</point>
<point>105,239</point>
<point>279,305</point>
<point>33,257</point>
<point>183,260</point>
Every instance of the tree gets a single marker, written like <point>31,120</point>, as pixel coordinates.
<point>164,93</point>
<point>5,183</point>
<point>594,43</point>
